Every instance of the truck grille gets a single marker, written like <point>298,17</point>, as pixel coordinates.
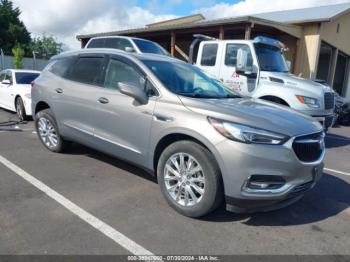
<point>309,148</point>
<point>329,100</point>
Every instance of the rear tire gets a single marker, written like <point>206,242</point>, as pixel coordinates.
<point>193,188</point>
<point>48,133</point>
<point>20,109</point>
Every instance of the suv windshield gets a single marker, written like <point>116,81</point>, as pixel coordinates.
<point>149,47</point>
<point>270,58</point>
<point>187,80</point>
<point>25,78</point>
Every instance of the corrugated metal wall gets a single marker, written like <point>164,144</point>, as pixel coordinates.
<point>28,63</point>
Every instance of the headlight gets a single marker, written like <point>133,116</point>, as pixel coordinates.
<point>246,134</point>
<point>311,102</point>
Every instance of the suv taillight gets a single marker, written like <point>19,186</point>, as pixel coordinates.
<point>32,84</point>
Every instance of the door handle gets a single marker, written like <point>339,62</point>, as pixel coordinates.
<point>103,100</point>
<point>59,90</point>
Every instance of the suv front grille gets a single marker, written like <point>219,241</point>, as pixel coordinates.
<point>309,148</point>
<point>329,100</point>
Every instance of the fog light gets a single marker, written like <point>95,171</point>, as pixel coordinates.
<point>264,182</point>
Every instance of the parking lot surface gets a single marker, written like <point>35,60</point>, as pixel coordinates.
<point>127,202</point>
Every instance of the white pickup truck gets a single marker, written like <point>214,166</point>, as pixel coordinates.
<point>257,68</point>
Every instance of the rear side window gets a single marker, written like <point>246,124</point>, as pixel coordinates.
<point>96,43</point>
<point>120,72</point>
<point>149,47</point>
<point>87,70</point>
<point>25,78</point>
<point>60,66</point>
<point>117,43</point>
<point>209,54</point>
<point>231,54</point>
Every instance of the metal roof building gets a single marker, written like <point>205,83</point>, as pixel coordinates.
<point>318,38</point>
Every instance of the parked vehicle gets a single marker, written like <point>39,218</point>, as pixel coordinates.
<point>342,110</point>
<point>203,141</point>
<point>257,68</point>
<point>15,89</point>
<point>128,44</point>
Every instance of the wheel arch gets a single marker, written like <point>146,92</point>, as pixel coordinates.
<point>41,105</point>
<point>170,138</point>
<point>275,99</point>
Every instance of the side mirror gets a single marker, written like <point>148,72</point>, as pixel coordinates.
<point>133,91</point>
<point>242,60</point>
<point>289,64</point>
<point>129,49</point>
<point>6,82</point>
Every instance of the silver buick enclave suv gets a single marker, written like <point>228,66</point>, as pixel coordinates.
<point>205,143</point>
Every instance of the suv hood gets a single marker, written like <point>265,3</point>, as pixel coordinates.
<point>296,82</point>
<point>256,113</point>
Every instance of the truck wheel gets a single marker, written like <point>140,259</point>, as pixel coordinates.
<point>190,179</point>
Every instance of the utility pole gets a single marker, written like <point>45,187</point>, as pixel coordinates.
<point>2,59</point>
<point>34,59</point>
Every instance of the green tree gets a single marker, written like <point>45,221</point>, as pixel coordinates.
<point>45,46</point>
<point>18,54</point>
<point>12,29</point>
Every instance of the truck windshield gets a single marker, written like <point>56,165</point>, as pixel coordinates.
<point>270,58</point>
<point>149,47</point>
<point>187,80</point>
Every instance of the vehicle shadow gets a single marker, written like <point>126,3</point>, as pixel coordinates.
<point>329,197</point>
<point>77,149</point>
<point>334,141</point>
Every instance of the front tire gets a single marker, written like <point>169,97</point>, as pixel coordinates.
<point>190,179</point>
<point>48,133</point>
<point>20,109</point>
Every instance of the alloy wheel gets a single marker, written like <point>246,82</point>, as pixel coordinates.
<point>47,132</point>
<point>184,179</point>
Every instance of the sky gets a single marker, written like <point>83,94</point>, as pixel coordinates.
<point>64,19</point>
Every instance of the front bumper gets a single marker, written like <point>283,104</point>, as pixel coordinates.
<point>242,161</point>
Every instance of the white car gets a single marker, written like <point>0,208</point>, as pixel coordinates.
<point>15,91</point>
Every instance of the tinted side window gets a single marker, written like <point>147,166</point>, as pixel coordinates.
<point>209,54</point>
<point>25,78</point>
<point>117,43</point>
<point>60,67</point>
<point>231,54</point>
<point>87,70</point>
<point>2,76</point>
<point>96,43</point>
<point>149,47</point>
<point>118,72</point>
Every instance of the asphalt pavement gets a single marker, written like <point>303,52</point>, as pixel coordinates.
<point>107,206</point>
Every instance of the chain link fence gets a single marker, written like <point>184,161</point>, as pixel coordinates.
<point>7,62</point>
